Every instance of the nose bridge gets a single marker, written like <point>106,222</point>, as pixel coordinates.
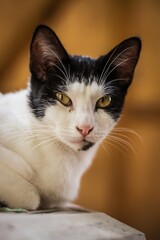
<point>84,116</point>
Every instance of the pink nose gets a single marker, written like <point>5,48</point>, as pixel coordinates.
<point>84,130</point>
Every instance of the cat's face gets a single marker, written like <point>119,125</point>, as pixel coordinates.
<point>79,98</point>
<point>81,124</point>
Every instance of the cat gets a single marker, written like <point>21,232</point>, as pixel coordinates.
<point>50,132</point>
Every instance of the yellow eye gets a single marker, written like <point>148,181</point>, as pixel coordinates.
<point>104,102</point>
<point>64,99</point>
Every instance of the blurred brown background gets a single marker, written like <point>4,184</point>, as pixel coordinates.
<point>121,183</point>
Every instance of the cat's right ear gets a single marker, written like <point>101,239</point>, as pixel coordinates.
<point>46,52</point>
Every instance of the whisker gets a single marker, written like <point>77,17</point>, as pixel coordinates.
<point>104,69</point>
<point>106,150</point>
<point>127,59</point>
<point>128,130</point>
<point>106,72</point>
<point>115,146</point>
<point>42,143</point>
<point>123,143</point>
<point>115,80</point>
<point>65,71</point>
<point>118,141</point>
<point>123,136</point>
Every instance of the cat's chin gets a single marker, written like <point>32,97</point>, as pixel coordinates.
<point>82,145</point>
<point>86,146</point>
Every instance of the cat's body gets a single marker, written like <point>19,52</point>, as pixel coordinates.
<point>50,132</point>
<point>51,171</point>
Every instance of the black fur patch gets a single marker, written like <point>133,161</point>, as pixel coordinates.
<point>87,146</point>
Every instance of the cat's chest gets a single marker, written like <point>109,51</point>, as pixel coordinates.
<point>58,175</point>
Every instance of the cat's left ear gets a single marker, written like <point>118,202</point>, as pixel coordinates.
<point>46,52</point>
<point>119,64</point>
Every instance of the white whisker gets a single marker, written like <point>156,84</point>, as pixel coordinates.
<point>106,150</point>
<point>117,56</point>
<point>111,142</point>
<point>104,69</point>
<point>65,73</point>
<point>125,60</point>
<point>47,140</point>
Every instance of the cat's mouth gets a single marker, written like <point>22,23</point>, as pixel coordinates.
<point>83,144</point>
<point>86,145</point>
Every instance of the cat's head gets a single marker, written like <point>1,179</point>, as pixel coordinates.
<point>80,99</point>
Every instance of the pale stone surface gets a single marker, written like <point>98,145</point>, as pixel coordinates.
<point>65,225</point>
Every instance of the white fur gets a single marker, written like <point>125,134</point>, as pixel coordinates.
<point>39,158</point>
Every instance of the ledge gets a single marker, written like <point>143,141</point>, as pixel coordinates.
<point>72,223</point>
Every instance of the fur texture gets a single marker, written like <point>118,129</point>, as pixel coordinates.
<point>45,145</point>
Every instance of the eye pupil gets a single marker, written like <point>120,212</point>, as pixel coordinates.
<point>102,99</point>
<point>104,102</point>
<point>61,97</point>
<point>64,99</point>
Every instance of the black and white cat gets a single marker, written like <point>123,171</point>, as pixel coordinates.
<point>49,133</point>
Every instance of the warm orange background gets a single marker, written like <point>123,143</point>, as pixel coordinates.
<point>123,184</point>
